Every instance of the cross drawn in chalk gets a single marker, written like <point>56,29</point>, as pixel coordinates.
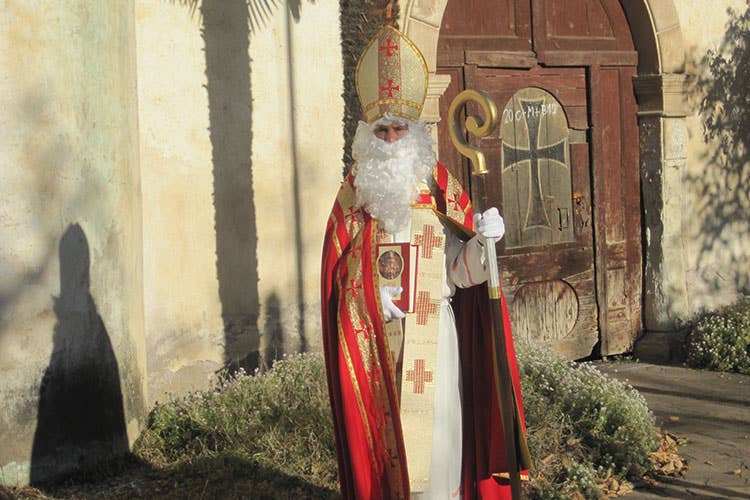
<point>536,213</point>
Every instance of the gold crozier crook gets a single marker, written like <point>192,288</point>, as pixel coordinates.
<point>474,124</point>
<point>479,127</point>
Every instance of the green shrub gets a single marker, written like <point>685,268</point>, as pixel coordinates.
<point>280,419</point>
<point>583,426</point>
<point>721,340</point>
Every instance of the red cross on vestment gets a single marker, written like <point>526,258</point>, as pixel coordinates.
<point>374,375</point>
<point>364,331</point>
<point>427,241</point>
<point>353,288</point>
<point>353,213</point>
<point>425,307</point>
<point>390,88</point>
<point>419,376</point>
<point>355,251</point>
<point>388,48</point>
<point>455,200</point>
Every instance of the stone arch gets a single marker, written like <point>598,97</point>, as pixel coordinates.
<point>661,90</point>
<point>654,24</point>
<point>657,36</point>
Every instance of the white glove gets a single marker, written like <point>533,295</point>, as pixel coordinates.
<point>490,225</point>
<point>390,311</point>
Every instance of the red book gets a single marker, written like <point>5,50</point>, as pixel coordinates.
<point>397,266</point>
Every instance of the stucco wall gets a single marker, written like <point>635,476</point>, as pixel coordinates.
<point>241,158</point>
<point>716,220</point>
<point>182,307</point>
<point>72,352</point>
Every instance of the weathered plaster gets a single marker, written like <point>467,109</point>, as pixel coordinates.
<point>663,160</point>
<point>182,308</point>
<point>241,156</point>
<point>70,222</point>
<point>716,232</point>
<point>297,163</point>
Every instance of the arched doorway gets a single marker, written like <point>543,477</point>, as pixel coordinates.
<point>566,170</point>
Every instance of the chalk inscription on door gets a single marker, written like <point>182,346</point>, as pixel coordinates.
<point>536,176</point>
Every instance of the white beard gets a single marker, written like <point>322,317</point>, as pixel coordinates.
<point>388,174</point>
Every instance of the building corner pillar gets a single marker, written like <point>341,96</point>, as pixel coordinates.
<point>662,102</point>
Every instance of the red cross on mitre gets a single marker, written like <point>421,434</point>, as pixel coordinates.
<point>390,88</point>
<point>353,287</point>
<point>424,307</point>
<point>388,48</point>
<point>427,241</point>
<point>419,375</point>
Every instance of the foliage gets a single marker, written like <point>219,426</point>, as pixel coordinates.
<point>721,340</point>
<point>724,105</point>
<point>586,431</point>
<point>360,20</point>
<point>280,419</point>
<point>719,188</point>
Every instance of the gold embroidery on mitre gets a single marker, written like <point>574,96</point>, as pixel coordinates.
<point>391,77</point>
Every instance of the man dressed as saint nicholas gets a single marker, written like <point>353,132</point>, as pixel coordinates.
<point>413,388</point>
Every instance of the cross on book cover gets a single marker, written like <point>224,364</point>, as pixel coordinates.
<point>397,266</point>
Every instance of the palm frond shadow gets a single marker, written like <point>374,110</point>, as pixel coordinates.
<point>722,189</point>
<point>259,11</point>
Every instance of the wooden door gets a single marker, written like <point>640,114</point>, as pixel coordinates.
<point>540,179</point>
<point>563,163</point>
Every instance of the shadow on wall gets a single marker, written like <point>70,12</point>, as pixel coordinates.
<point>273,333</point>
<point>45,150</point>
<point>723,188</point>
<point>80,419</point>
<point>226,36</point>
<point>259,11</point>
<point>227,26</point>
